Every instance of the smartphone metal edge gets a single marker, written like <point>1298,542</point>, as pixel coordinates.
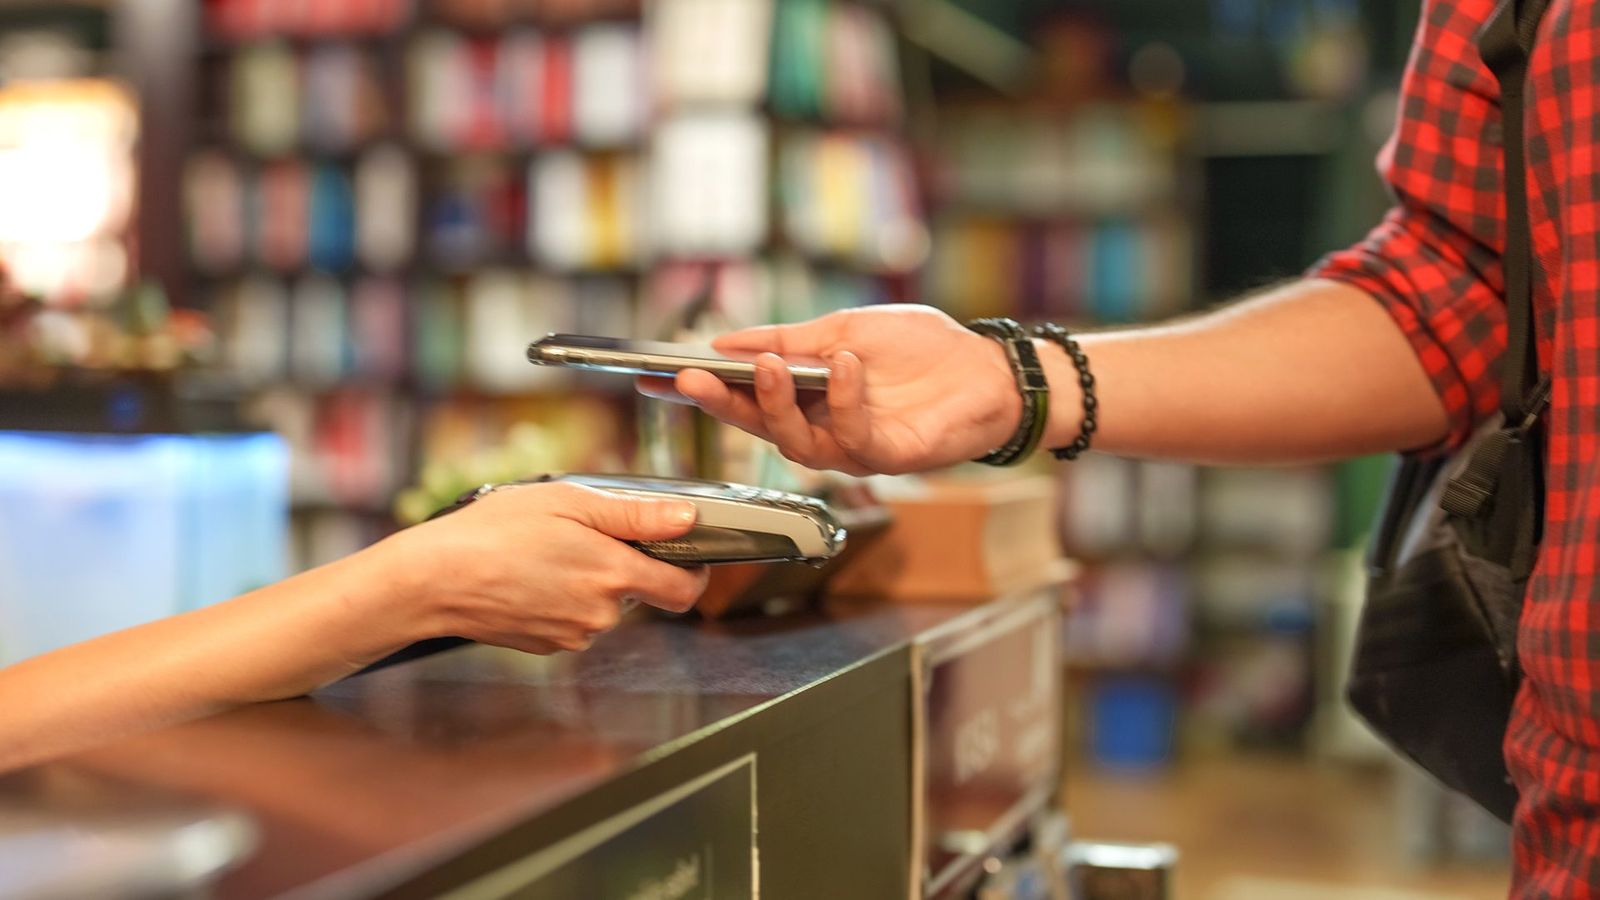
<point>634,362</point>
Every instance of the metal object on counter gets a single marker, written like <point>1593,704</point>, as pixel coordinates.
<point>1104,871</point>
<point>63,855</point>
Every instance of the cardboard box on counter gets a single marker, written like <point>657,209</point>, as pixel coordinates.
<point>960,541</point>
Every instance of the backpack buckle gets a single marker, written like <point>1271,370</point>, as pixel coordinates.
<point>1467,495</point>
<point>1537,400</point>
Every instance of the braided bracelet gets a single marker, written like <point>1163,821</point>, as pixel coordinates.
<point>1080,445</point>
<point>1031,384</point>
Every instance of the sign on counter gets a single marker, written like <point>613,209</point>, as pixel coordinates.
<point>988,734</point>
<point>695,842</point>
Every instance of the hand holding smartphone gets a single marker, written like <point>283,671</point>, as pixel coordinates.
<point>650,358</point>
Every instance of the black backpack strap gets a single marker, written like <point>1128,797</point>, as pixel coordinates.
<point>1508,527</point>
<point>1505,44</point>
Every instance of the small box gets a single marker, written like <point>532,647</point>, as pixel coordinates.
<point>961,542</point>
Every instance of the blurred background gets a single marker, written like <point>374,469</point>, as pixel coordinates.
<point>271,267</point>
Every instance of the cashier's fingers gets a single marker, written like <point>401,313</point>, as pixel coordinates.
<point>626,518</point>
<point>571,641</point>
<point>663,585</point>
<point>527,644</point>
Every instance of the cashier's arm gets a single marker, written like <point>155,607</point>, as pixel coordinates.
<point>1312,371</point>
<point>540,568</point>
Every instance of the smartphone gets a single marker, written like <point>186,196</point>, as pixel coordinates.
<point>629,357</point>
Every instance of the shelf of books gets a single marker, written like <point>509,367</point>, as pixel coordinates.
<point>388,200</point>
<point>1082,203</point>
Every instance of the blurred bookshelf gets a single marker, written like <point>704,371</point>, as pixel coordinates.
<point>385,201</point>
<point>1145,162</point>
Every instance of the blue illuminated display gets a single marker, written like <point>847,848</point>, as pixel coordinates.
<point>100,532</point>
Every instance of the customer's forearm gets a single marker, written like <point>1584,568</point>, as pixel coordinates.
<point>276,642</point>
<point>1314,370</point>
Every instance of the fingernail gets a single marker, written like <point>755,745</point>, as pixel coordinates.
<point>683,513</point>
<point>763,377</point>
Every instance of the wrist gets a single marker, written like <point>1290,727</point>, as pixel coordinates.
<point>390,592</point>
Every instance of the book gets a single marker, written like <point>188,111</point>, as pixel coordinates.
<point>708,181</point>
<point>330,231</point>
<point>555,103</point>
<point>710,52</point>
<point>609,91</point>
<point>437,351</point>
<point>438,87</point>
<point>519,81</point>
<point>960,541</point>
<point>503,312</point>
<point>317,336</point>
<point>254,329</point>
<point>343,103</point>
<point>377,329</point>
<point>385,208</point>
<point>562,219</point>
<point>795,81</point>
<point>282,208</point>
<point>214,204</point>
<point>264,99</point>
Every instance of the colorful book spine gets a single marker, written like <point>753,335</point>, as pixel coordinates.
<point>283,208</point>
<point>519,79</point>
<point>330,232</point>
<point>385,208</point>
<point>318,343</point>
<point>555,104</point>
<point>377,330</point>
<point>1111,271</point>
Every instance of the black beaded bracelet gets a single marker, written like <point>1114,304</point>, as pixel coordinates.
<point>1080,445</point>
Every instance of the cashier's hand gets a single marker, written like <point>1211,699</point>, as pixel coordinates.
<point>543,567</point>
<point>910,389</point>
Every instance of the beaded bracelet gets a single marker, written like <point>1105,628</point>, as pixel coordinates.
<point>1080,445</point>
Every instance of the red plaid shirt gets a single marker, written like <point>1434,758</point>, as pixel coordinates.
<point>1434,262</point>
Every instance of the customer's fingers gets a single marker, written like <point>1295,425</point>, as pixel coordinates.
<point>775,393</point>
<point>726,403</point>
<point>658,388</point>
<point>813,338</point>
<point>847,411</point>
<point>761,339</point>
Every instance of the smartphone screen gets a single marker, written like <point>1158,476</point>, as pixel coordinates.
<point>631,357</point>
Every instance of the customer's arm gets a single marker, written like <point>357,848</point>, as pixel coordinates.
<point>540,567</point>
<point>1389,344</point>
<point>1313,370</point>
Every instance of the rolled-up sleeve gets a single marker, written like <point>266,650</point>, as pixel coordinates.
<point>1434,260</point>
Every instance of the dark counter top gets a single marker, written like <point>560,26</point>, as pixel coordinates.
<point>385,774</point>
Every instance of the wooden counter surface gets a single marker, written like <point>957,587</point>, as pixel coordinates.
<point>375,779</point>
